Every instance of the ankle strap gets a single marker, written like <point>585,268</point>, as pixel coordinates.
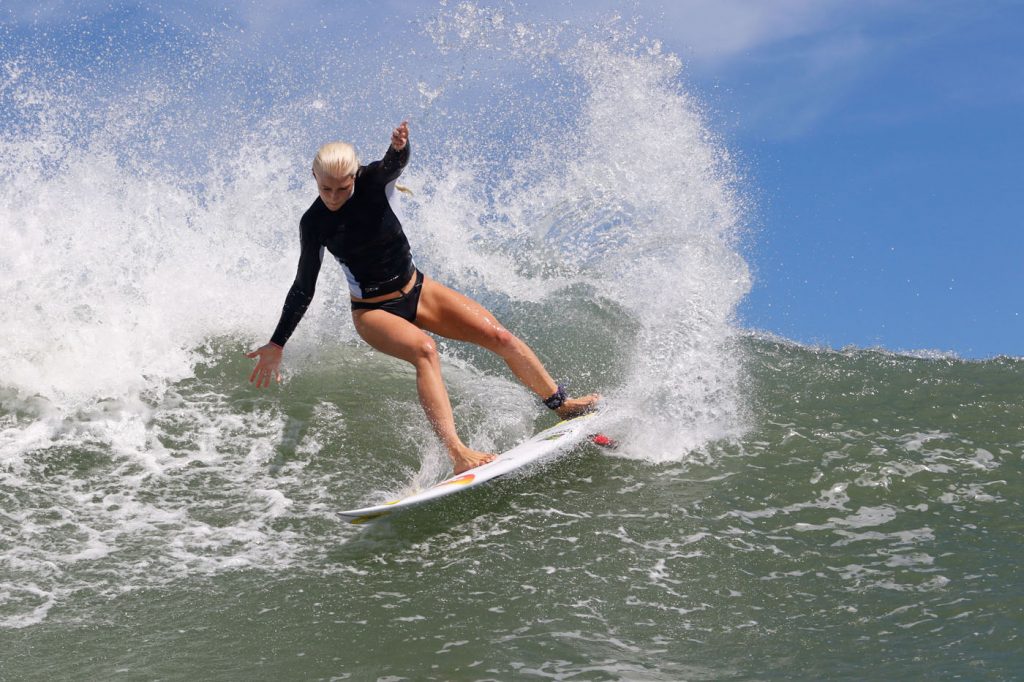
<point>556,400</point>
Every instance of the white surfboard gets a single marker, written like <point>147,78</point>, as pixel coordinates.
<point>557,439</point>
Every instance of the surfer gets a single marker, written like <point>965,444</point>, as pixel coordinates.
<point>394,305</point>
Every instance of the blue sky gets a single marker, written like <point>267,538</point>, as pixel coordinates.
<point>880,144</point>
<point>884,144</point>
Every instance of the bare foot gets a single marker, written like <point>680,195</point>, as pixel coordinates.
<point>574,407</point>
<point>468,459</point>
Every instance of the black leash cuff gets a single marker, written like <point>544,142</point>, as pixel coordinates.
<point>557,400</point>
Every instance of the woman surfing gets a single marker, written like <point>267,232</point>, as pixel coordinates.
<point>394,305</point>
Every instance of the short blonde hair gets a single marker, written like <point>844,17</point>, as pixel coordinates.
<point>336,159</point>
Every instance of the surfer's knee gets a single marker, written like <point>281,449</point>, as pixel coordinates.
<point>425,352</point>
<point>503,341</point>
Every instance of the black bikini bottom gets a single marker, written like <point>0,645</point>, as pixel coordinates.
<point>404,305</point>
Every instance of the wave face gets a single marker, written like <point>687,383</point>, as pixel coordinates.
<point>768,500</point>
<point>586,179</point>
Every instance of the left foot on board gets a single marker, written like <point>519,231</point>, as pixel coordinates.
<point>468,458</point>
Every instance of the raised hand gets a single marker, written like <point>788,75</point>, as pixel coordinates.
<point>400,136</point>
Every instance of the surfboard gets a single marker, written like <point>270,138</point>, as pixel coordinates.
<point>547,443</point>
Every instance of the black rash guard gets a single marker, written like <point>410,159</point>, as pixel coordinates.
<point>364,235</point>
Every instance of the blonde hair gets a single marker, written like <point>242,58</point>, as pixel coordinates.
<point>336,159</point>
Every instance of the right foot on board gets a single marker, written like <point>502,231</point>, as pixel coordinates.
<point>574,407</point>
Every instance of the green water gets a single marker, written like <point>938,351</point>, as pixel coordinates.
<point>867,526</point>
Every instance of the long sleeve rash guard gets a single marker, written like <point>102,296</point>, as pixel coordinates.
<point>364,235</point>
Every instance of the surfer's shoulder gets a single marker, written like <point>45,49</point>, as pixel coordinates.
<point>313,218</point>
<point>316,212</point>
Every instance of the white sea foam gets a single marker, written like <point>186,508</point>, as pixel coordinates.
<point>634,198</point>
<point>30,603</point>
<point>152,264</point>
<point>129,267</point>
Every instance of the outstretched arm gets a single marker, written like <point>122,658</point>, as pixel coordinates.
<point>268,357</point>
<point>268,364</point>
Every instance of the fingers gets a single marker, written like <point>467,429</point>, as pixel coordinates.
<point>261,377</point>
<point>400,135</point>
<point>257,371</point>
<point>265,368</point>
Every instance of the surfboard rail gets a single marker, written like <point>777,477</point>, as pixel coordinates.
<point>549,442</point>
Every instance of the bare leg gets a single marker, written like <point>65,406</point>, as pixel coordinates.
<point>401,339</point>
<point>448,313</point>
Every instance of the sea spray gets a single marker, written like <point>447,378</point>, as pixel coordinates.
<point>626,192</point>
<point>565,180</point>
<point>668,216</point>
<point>590,166</point>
